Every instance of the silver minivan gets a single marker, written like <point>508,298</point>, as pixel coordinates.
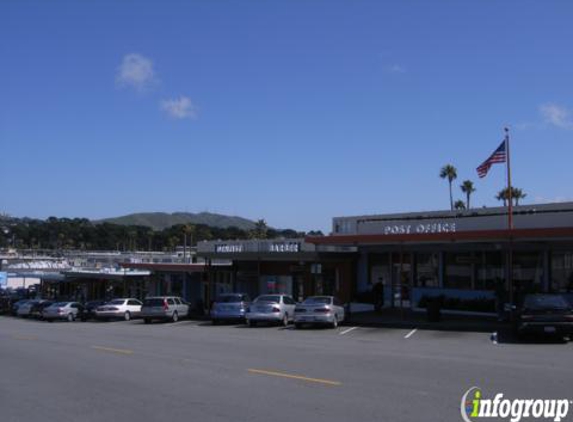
<point>164,307</point>
<point>271,308</point>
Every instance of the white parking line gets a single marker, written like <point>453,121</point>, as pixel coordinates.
<point>186,322</point>
<point>411,333</point>
<point>348,330</point>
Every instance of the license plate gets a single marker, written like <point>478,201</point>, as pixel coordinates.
<point>549,329</point>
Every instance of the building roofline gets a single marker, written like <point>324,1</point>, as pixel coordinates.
<point>466,236</point>
<point>533,208</point>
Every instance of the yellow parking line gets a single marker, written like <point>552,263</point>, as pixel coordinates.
<point>296,377</point>
<point>25,338</point>
<point>112,350</point>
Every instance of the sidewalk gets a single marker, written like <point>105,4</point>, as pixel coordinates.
<point>407,319</point>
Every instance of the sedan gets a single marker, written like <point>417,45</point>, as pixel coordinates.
<point>119,309</point>
<point>319,310</point>
<point>88,311</point>
<point>277,308</point>
<point>62,310</point>
<point>16,305</point>
<point>25,309</point>
<point>230,307</point>
<point>549,314</point>
<point>38,309</point>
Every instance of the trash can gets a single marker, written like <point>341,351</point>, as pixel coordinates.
<point>434,309</point>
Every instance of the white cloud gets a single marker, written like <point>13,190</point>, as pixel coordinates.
<point>179,108</point>
<point>395,68</point>
<point>557,115</point>
<point>136,71</point>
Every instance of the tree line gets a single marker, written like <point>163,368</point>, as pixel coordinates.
<point>81,233</point>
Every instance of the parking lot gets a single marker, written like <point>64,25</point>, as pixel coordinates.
<point>128,370</point>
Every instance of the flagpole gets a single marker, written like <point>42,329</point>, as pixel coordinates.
<point>509,192</point>
<point>510,228</point>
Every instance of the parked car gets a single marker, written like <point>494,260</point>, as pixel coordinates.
<point>38,309</point>
<point>230,307</point>
<point>62,310</point>
<point>24,310</point>
<point>32,308</point>
<point>319,310</point>
<point>16,305</point>
<point>271,308</point>
<point>164,308</point>
<point>547,314</point>
<point>89,308</point>
<point>124,308</point>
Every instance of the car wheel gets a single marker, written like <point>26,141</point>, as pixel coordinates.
<point>285,320</point>
<point>251,323</point>
<point>175,317</point>
<point>127,316</point>
<point>146,320</point>
<point>298,325</point>
<point>71,317</point>
<point>335,322</point>
<point>214,322</point>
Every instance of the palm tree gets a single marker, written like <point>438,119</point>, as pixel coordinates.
<point>459,205</point>
<point>516,195</point>
<point>449,172</point>
<point>468,188</point>
<point>502,195</point>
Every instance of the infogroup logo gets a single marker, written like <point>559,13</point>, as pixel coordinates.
<point>474,407</point>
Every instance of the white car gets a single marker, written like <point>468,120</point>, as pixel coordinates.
<point>276,308</point>
<point>62,310</point>
<point>319,310</point>
<point>125,308</point>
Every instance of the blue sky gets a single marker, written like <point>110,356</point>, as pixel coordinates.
<point>292,111</point>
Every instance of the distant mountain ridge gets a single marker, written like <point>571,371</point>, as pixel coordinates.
<point>163,220</point>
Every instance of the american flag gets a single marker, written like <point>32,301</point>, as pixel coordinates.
<point>498,156</point>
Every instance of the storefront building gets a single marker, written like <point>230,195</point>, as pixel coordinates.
<point>187,280</point>
<point>289,266</point>
<point>465,256</point>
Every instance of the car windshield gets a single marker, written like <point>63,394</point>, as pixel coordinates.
<point>272,299</point>
<point>230,299</point>
<point>153,302</point>
<point>116,302</point>
<point>317,300</point>
<point>60,304</point>
<point>545,302</point>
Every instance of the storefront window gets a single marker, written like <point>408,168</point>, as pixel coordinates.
<point>562,272</point>
<point>427,265</point>
<point>276,284</point>
<point>459,270</point>
<point>490,270</point>
<point>527,272</point>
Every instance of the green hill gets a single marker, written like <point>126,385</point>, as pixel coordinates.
<point>162,220</point>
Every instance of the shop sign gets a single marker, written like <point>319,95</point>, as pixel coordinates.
<point>238,248</point>
<point>285,247</point>
<point>422,228</point>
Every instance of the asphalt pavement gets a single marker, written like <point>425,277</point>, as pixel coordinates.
<point>193,371</point>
